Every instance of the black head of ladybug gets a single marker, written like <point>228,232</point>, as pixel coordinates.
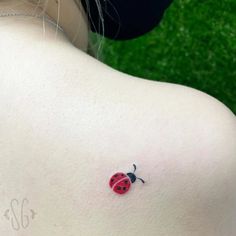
<point>133,177</point>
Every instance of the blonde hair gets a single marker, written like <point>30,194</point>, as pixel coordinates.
<point>96,41</point>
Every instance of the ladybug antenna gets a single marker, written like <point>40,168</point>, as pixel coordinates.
<point>141,180</point>
<point>134,167</point>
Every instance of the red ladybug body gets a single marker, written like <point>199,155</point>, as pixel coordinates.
<point>121,183</point>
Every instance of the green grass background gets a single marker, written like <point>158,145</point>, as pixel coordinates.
<point>195,45</point>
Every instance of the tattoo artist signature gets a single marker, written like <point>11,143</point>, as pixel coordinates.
<point>19,214</point>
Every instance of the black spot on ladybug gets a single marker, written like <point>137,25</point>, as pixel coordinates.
<point>122,175</point>
<point>126,181</point>
<point>118,188</point>
<point>124,188</point>
<point>112,180</point>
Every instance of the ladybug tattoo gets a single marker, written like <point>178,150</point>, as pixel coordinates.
<point>121,183</point>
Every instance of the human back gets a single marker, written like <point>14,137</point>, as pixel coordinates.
<point>69,122</point>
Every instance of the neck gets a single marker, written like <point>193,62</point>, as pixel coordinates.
<point>60,21</point>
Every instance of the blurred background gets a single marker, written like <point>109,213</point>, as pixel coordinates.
<point>195,45</point>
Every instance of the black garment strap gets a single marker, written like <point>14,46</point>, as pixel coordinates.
<point>124,19</point>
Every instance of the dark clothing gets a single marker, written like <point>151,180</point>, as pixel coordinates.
<point>125,19</point>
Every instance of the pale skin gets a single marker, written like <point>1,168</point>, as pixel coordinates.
<point>69,122</point>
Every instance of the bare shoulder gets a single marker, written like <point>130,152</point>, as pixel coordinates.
<point>78,122</point>
<point>185,141</point>
<point>193,146</point>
